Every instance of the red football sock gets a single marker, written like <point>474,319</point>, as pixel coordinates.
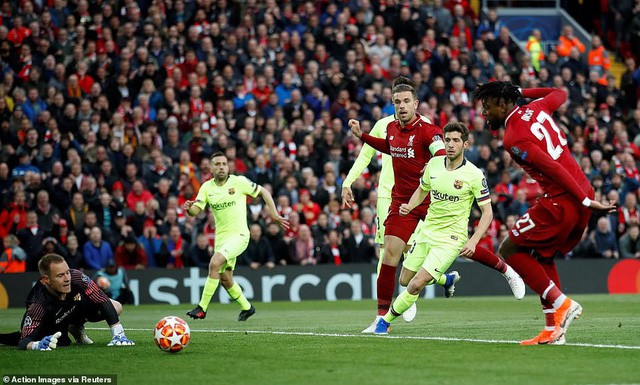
<point>489,259</point>
<point>386,285</point>
<point>549,314</point>
<point>535,276</point>
<point>549,266</point>
<point>531,272</point>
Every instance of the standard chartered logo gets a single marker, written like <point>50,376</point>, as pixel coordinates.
<point>435,194</point>
<point>223,205</point>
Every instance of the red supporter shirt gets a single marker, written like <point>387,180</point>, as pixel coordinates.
<point>537,144</point>
<point>410,148</point>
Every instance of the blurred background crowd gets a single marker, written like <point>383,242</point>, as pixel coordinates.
<point>110,109</point>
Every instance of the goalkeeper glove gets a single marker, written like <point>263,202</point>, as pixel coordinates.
<point>47,343</point>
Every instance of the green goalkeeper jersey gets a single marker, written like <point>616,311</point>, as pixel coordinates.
<point>228,203</point>
<point>452,194</point>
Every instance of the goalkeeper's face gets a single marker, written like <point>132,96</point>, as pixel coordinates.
<point>59,278</point>
<point>220,168</point>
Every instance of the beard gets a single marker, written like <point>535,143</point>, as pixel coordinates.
<point>495,124</point>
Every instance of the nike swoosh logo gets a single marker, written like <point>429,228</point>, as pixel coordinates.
<point>438,271</point>
<point>432,177</point>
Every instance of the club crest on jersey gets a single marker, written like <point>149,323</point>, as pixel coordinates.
<point>457,184</point>
<point>77,297</point>
<point>232,191</point>
<point>410,141</point>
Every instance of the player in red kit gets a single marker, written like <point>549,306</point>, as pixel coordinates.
<point>556,222</point>
<point>411,142</point>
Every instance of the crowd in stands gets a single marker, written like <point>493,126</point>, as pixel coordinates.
<point>110,109</point>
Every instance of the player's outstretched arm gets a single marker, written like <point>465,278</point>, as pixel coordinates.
<point>483,225</point>
<point>598,207</point>
<point>191,209</point>
<point>362,161</point>
<point>553,98</point>
<point>271,205</point>
<point>378,143</point>
<point>417,198</point>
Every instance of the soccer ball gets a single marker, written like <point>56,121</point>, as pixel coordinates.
<point>172,334</point>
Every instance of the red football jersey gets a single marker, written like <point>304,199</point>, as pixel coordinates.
<point>537,144</point>
<point>410,148</point>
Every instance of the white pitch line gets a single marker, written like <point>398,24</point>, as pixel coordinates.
<point>425,338</point>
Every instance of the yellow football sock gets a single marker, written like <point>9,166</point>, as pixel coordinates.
<point>400,305</point>
<point>236,294</point>
<point>209,290</point>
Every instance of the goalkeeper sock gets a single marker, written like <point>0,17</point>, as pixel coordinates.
<point>236,294</point>
<point>117,330</point>
<point>400,305</point>
<point>209,290</point>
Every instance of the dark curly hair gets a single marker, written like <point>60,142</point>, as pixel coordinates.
<point>497,90</point>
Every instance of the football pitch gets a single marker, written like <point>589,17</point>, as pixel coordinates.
<point>463,340</point>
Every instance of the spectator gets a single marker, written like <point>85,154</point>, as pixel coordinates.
<point>131,255</point>
<point>13,258</point>
<point>628,213</point>
<point>567,41</point>
<point>45,211</point>
<point>138,194</point>
<point>114,282</point>
<point>605,239</point>
<point>178,248</point>
<point>200,253</point>
<point>13,218</point>
<point>74,256</point>
<point>258,252</point>
<point>279,247</point>
<point>586,248</point>
<point>154,246</point>
<point>305,251</point>
<point>31,238</point>
<point>359,247</point>
<point>534,47</point>
<point>96,252</point>
<point>630,242</point>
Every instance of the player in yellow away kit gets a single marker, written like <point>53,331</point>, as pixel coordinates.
<point>454,183</point>
<point>227,196</point>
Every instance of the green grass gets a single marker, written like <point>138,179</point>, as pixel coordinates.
<point>223,351</point>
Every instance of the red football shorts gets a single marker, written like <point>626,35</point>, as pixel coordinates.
<point>552,225</point>
<point>403,227</point>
